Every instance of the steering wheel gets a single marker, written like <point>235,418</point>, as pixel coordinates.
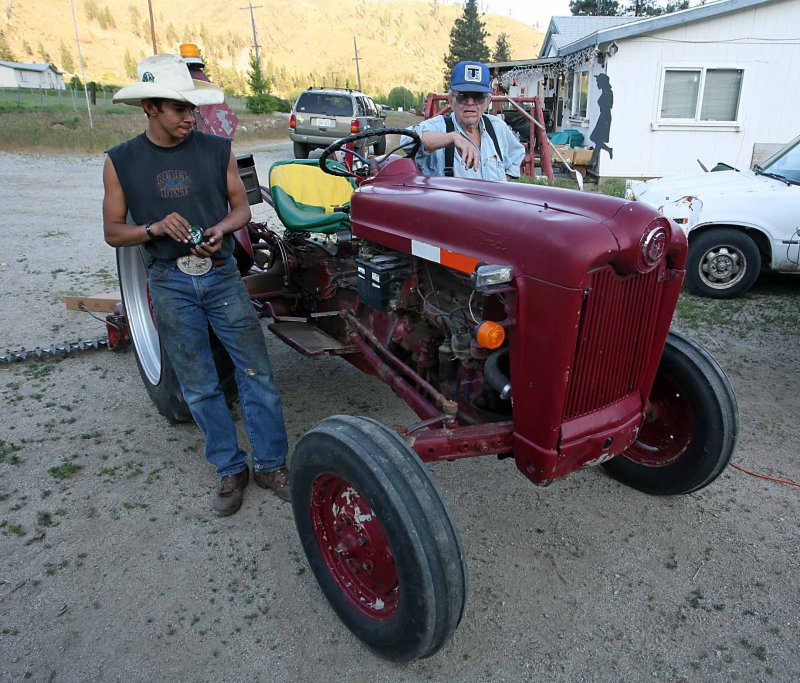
<point>411,147</point>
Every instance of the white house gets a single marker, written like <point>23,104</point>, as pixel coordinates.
<point>653,96</point>
<point>46,76</point>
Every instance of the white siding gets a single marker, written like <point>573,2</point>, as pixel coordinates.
<point>770,97</point>
<point>8,78</point>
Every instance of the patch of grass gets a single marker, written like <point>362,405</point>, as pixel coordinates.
<point>8,454</point>
<point>65,470</point>
<point>40,369</point>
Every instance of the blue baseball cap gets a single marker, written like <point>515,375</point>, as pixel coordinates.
<point>470,77</point>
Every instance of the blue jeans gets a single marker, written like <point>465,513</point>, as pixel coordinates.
<point>184,306</point>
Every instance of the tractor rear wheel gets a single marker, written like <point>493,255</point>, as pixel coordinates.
<point>691,426</point>
<point>378,537</point>
<point>154,366</point>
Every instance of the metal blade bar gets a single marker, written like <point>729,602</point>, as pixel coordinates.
<point>53,350</point>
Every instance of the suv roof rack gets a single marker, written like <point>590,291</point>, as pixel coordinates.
<point>330,87</point>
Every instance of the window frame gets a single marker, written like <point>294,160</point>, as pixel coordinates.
<point>661,123</point>
<point>575,112</point>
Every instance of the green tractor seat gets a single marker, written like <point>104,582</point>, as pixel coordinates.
<point>305,196</point>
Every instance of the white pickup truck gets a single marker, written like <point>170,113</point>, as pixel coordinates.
<point>737,221</point>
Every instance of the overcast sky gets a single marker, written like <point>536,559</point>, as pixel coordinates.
<point>527,11</point>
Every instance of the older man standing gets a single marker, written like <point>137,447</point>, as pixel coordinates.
<point>469,143</point>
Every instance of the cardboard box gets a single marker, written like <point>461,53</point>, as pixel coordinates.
<point>565,151</point>
<point>104,302</point>
<point>582,156</point>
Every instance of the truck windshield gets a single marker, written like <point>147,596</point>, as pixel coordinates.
<point>785,163</point>
<point>325,103</point>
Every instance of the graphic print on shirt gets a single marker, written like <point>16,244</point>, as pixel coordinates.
<point>173,184</point>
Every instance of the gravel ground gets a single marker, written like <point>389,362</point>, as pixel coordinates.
<point>113,568</point>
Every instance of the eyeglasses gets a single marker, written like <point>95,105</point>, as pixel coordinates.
<point>476,97</point>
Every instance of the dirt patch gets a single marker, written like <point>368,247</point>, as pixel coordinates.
<point>112,567</point>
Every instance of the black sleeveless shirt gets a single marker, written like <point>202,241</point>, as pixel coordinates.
<point>190,179</point>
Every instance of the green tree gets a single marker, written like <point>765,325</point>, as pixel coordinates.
<point>502,50</point>
<point>400,97</point>
<point>5,50</point>
<point>44,54</point>
<point>467,40</point>
<point>261,101</point>
<point>67,63</point>
<point>597,8</point>
<point>109,17</point>
<point>129,64</point>
<point>92,11</point>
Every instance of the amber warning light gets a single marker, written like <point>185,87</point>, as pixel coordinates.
<point>490,335</point>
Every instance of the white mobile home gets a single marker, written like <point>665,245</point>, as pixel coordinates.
<point>653,96</point>
<point>45,76</point>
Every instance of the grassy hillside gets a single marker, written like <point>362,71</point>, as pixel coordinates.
<point>400,42</point>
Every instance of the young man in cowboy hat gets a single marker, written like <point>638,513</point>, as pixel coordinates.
<point>469,143</point>
<point>160,186</point>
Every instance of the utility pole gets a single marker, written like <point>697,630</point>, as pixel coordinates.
<point>80,58</point>
<point>253,22</point>
<point>152,26</point>
<point>355,59</point>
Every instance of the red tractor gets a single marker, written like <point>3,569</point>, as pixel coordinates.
<point>518,321</point>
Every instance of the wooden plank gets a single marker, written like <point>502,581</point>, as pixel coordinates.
<point>105,302</point>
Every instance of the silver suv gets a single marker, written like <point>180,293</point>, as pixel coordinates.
<point>323,115</point>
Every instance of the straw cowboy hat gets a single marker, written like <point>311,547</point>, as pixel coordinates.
<point>168,77</point>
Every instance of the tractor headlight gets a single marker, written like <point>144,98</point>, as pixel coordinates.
<point>488,276</point>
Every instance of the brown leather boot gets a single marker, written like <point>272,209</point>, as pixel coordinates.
<point>278,481</point>
<point>231,493</point>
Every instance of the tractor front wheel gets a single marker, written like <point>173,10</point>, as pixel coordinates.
<point>690,429</point>
<point>378,537</point>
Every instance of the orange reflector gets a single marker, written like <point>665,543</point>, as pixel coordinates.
<point>190,50</point>
<point>490,335</point>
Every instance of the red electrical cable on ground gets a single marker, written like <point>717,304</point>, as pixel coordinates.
<point>764,476</point>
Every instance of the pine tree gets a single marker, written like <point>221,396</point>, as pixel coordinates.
<point>67,63</point>
<point>260,102</point>
<point>502,51</point>
<point>5,50</point>
<point>129,64</point>
<point>597,8</point>
<point>467,40</point>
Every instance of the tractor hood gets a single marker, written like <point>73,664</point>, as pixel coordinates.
<point>552,234</point>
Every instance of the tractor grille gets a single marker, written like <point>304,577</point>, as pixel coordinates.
<point>617,321</point>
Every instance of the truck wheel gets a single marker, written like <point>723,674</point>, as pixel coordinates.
<point>151,358</point>
<point>378,537</point>
<point>380,146</point>
<point>300,150</point>
<point>690,429</point>
<point>722,264</point>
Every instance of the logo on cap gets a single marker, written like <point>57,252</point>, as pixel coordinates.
<point>147,77</point>
<point>473,73</point>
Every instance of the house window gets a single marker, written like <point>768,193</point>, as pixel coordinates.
<point>580,90</point>
<point>23,76</point>
<point>701,94</point>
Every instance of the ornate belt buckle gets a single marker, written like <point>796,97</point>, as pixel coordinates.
<point>193,265</point>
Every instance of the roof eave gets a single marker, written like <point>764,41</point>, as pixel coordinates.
<point>653,24</point>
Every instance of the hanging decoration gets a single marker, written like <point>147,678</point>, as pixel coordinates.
<point>535,72</point>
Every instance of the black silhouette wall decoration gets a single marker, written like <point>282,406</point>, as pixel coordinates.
<point>602,129</point>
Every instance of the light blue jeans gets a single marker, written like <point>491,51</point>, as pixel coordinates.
<point>184,307</point>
